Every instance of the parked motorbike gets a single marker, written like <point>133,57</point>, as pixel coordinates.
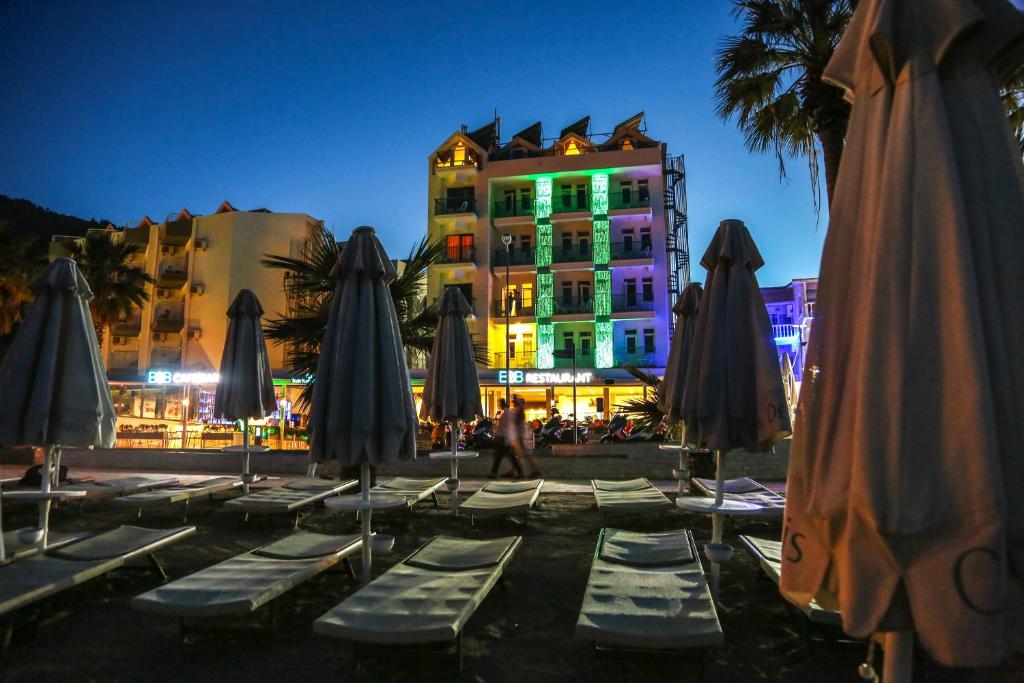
<point>565,435</point>
<point>482,434</point>
<point>549,434</point>
<point>616,429</point>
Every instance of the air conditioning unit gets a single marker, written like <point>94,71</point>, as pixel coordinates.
<point>118,341</point>
<point>159,336</point>
<point>202,243</point>
<point>195,333</point>
<point>198,289</point>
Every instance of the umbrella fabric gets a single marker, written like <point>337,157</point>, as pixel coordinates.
<point>55,389</point>
<point>670,394</point>
<point>362,409</point>
<point>733,396</point>
<point>905,503</point>
<point>788,381</point>
<point>246,387</point>
<point>452,388</point>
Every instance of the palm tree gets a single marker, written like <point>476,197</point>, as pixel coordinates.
<point>769,79</point>
<point>644,412</point>
<point>21,257</point>
<point>311,288</point>
<point>118,287</point>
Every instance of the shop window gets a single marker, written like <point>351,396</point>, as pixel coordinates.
<point>648,289</point>
<point>631,341</point>
<point>649,340</point>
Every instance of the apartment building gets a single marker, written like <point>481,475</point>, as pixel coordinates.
<point>572,242</point>
<point>791,309</point>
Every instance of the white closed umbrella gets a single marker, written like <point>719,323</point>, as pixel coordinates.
<point>55,387</point>
<point>905,505</point>
<point>362,410</point>
<point>788,381</point>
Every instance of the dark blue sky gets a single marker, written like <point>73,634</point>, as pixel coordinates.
<point>121,109</point>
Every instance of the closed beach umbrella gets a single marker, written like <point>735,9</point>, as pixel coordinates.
<point>362,410</point>
<point>670,394</point>
<point>55,388</point>
<point>451,390</point>
<point>245,388</point>
<point>733,396</point>
<point>905,505</point>
<point>788,382</point>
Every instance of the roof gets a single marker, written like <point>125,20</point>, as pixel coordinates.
<point>580,128</point>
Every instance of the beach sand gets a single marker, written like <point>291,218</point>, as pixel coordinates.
<point>522,632</point>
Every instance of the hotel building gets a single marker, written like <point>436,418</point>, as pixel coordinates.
<point>791,309</point>
<point>162,361</point>
<point>587,235</point>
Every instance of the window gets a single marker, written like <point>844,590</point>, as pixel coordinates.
<point>642,191</point>
<point>526,199</point>
<point>627,240</point>
<point>585,340</point>
<point>572,148</point>
<point>631,341</point>
<point>568,340</point>
<point>626,188</point>
<point>459,199</point>
<point>581,197</point>
<point>649,340</point>
<point>567,293</point>
<point>566,245</point>
<point>584,291</point>
<point>566,196</point>
<point>629,287</point>
<point>510,201</point>
<point>583,241</point>
<point>459,248</point>
<point>627,145</point>
<point>648,292</point>
<point>459,154</point>
<point>526,245</point>
<point>527,294</point>
<point>645,241</point>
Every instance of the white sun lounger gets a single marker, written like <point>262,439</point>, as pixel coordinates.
<point>122,486</point>
<point>629,497</point>
<point>58,569</point>
<point>291,497</point>
<point>769,555</point>
<point>503,498</point>
<point>180,493</point>
<point>413,490</point>
<point>765,502</point>
<point>241,584</point>
<point>648,592</point>
<point>426,598</point>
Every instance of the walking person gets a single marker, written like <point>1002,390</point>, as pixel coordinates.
<point>502,448</point>
<point>521,452</point>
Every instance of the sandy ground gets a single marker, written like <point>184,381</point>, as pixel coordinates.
<point>522,632</point>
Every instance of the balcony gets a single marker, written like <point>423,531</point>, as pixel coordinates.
<point>638,358</point>
<point>165,356</point>
<point>570,203</point>
<point>519,359</point>
<point>625,251</point>
<point>631,302</point>
<point>168,316</point>
<point>172,272</point>
<point>177,233</point>
<point>515,257</point>
<point>124,360</point>
<point>629,200</point>
<point>786,334</point>
<point>574,305</point>
<point>571,253</point>
<point>129,327</point>
<point>517,310</point>
<point>512,209</point>
<point>451,206</point>
<point>459,255</point>
<point>584,359</point>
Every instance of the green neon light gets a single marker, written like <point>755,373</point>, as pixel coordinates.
<point>602,293</point>
<point>545,295</point>
<point>602,242</point>
<point>542,215</point>
<point>603,355</point>
<point>545,242</point>
<point>542,209</point>
<point>599,194</point>
<point>546,345</point>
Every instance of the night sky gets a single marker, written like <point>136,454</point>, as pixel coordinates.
<point>123,109</point>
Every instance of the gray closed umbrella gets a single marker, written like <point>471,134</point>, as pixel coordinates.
<point>245,388</point>
<point>905,504</point>
<point>362,410</point>
<point>55,388</point>
<point>451,390</point>
<point>670,394</point>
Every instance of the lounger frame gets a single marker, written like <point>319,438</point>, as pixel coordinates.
<point>500,512</point>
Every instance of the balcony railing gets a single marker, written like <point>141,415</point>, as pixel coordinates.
<point>124,360</point>
<point>566,203</point>
<point>637,358</point>
<point>519,359</point>
<point>631,303</point>
<point>460,255</point>
<point>515,257</point>
<point>519,207</point>
<point>498,309</point>
<point>584,359</point>
<point>631,250</point>
<point>161,356</point>
<point>786,332</point>
<point>129,327</point>
<point>172,271</point>
<point>566,253</point>
<point>632,200</point>
<point>573,305</point>
<point>444,206</point>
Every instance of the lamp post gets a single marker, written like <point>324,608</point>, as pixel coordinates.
<point>507,241</point>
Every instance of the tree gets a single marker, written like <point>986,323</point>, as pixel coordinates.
<point>769,79</point>
<point>118,287</point>
<point>1013,100</point>
<point>21,258</point>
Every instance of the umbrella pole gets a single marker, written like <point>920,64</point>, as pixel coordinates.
<point>683,465</point>
<point>245,455</point>
<point>47,481</point>
<point>899,657</point>
<point>364,518</point>
<point>3,550</point>
<point>453,485</point>
<point>716,519</point>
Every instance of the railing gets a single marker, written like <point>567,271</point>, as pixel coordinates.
<point>584,359</point>
<point>515,257</point>
<point>786,332</point>
<point>128,327</point>
<point>573,304</point>
<point>565,253</point>
<point>498,309</point>
<point>169,317</point>
<point>519,207</point>
<point>172,270</point>
<point>633,200</point>
<point>165,356</point>
<point>631,250</point>
<point>460,255</point>
<point>629,303</point>
<point>564,203</point>
<point>448,205</point>
<point>637,358</point>
<point>124,360</point>
<point>519,359</point>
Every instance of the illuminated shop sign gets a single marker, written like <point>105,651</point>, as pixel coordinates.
<point>532,377</point>
<point>169,377</point>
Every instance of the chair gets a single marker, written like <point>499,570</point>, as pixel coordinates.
<point>413,490</point>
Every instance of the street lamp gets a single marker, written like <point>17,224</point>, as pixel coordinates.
<point>507,240</point>
<point>570,352</point>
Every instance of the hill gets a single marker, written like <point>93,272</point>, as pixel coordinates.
<point>26,218</point>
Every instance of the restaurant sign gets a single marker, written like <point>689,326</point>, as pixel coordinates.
<point>169,377</point>
<point>542,377</point>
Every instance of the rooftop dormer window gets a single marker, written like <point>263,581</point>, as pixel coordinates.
<point>627,145</point>
<point>458,155</point>
<point>572,149</point>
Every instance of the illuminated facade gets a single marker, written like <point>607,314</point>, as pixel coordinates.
<point>791,310</point>
<point>594,258</point>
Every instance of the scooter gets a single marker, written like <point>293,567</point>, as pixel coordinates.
<point>482,435</point>
<point>616,429</point>
<point>550,433</point>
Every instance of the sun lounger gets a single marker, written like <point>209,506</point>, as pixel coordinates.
<point>243,583</point>
<point>628,497</point>
<point>57,569</point>
<point>503,498</point>
<point>17,549</point>
<point>177,494</point>
<point>427,598</point>
<point>763,500</point>
<point>648,592</point>
<point>769,555</point>
<point>291,497</point>
<point>122,486</point>
<point>413,490</point>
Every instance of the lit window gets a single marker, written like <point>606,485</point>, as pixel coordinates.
<point>572,148</point>
<point>627,145</point>
<point>460,154</point>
